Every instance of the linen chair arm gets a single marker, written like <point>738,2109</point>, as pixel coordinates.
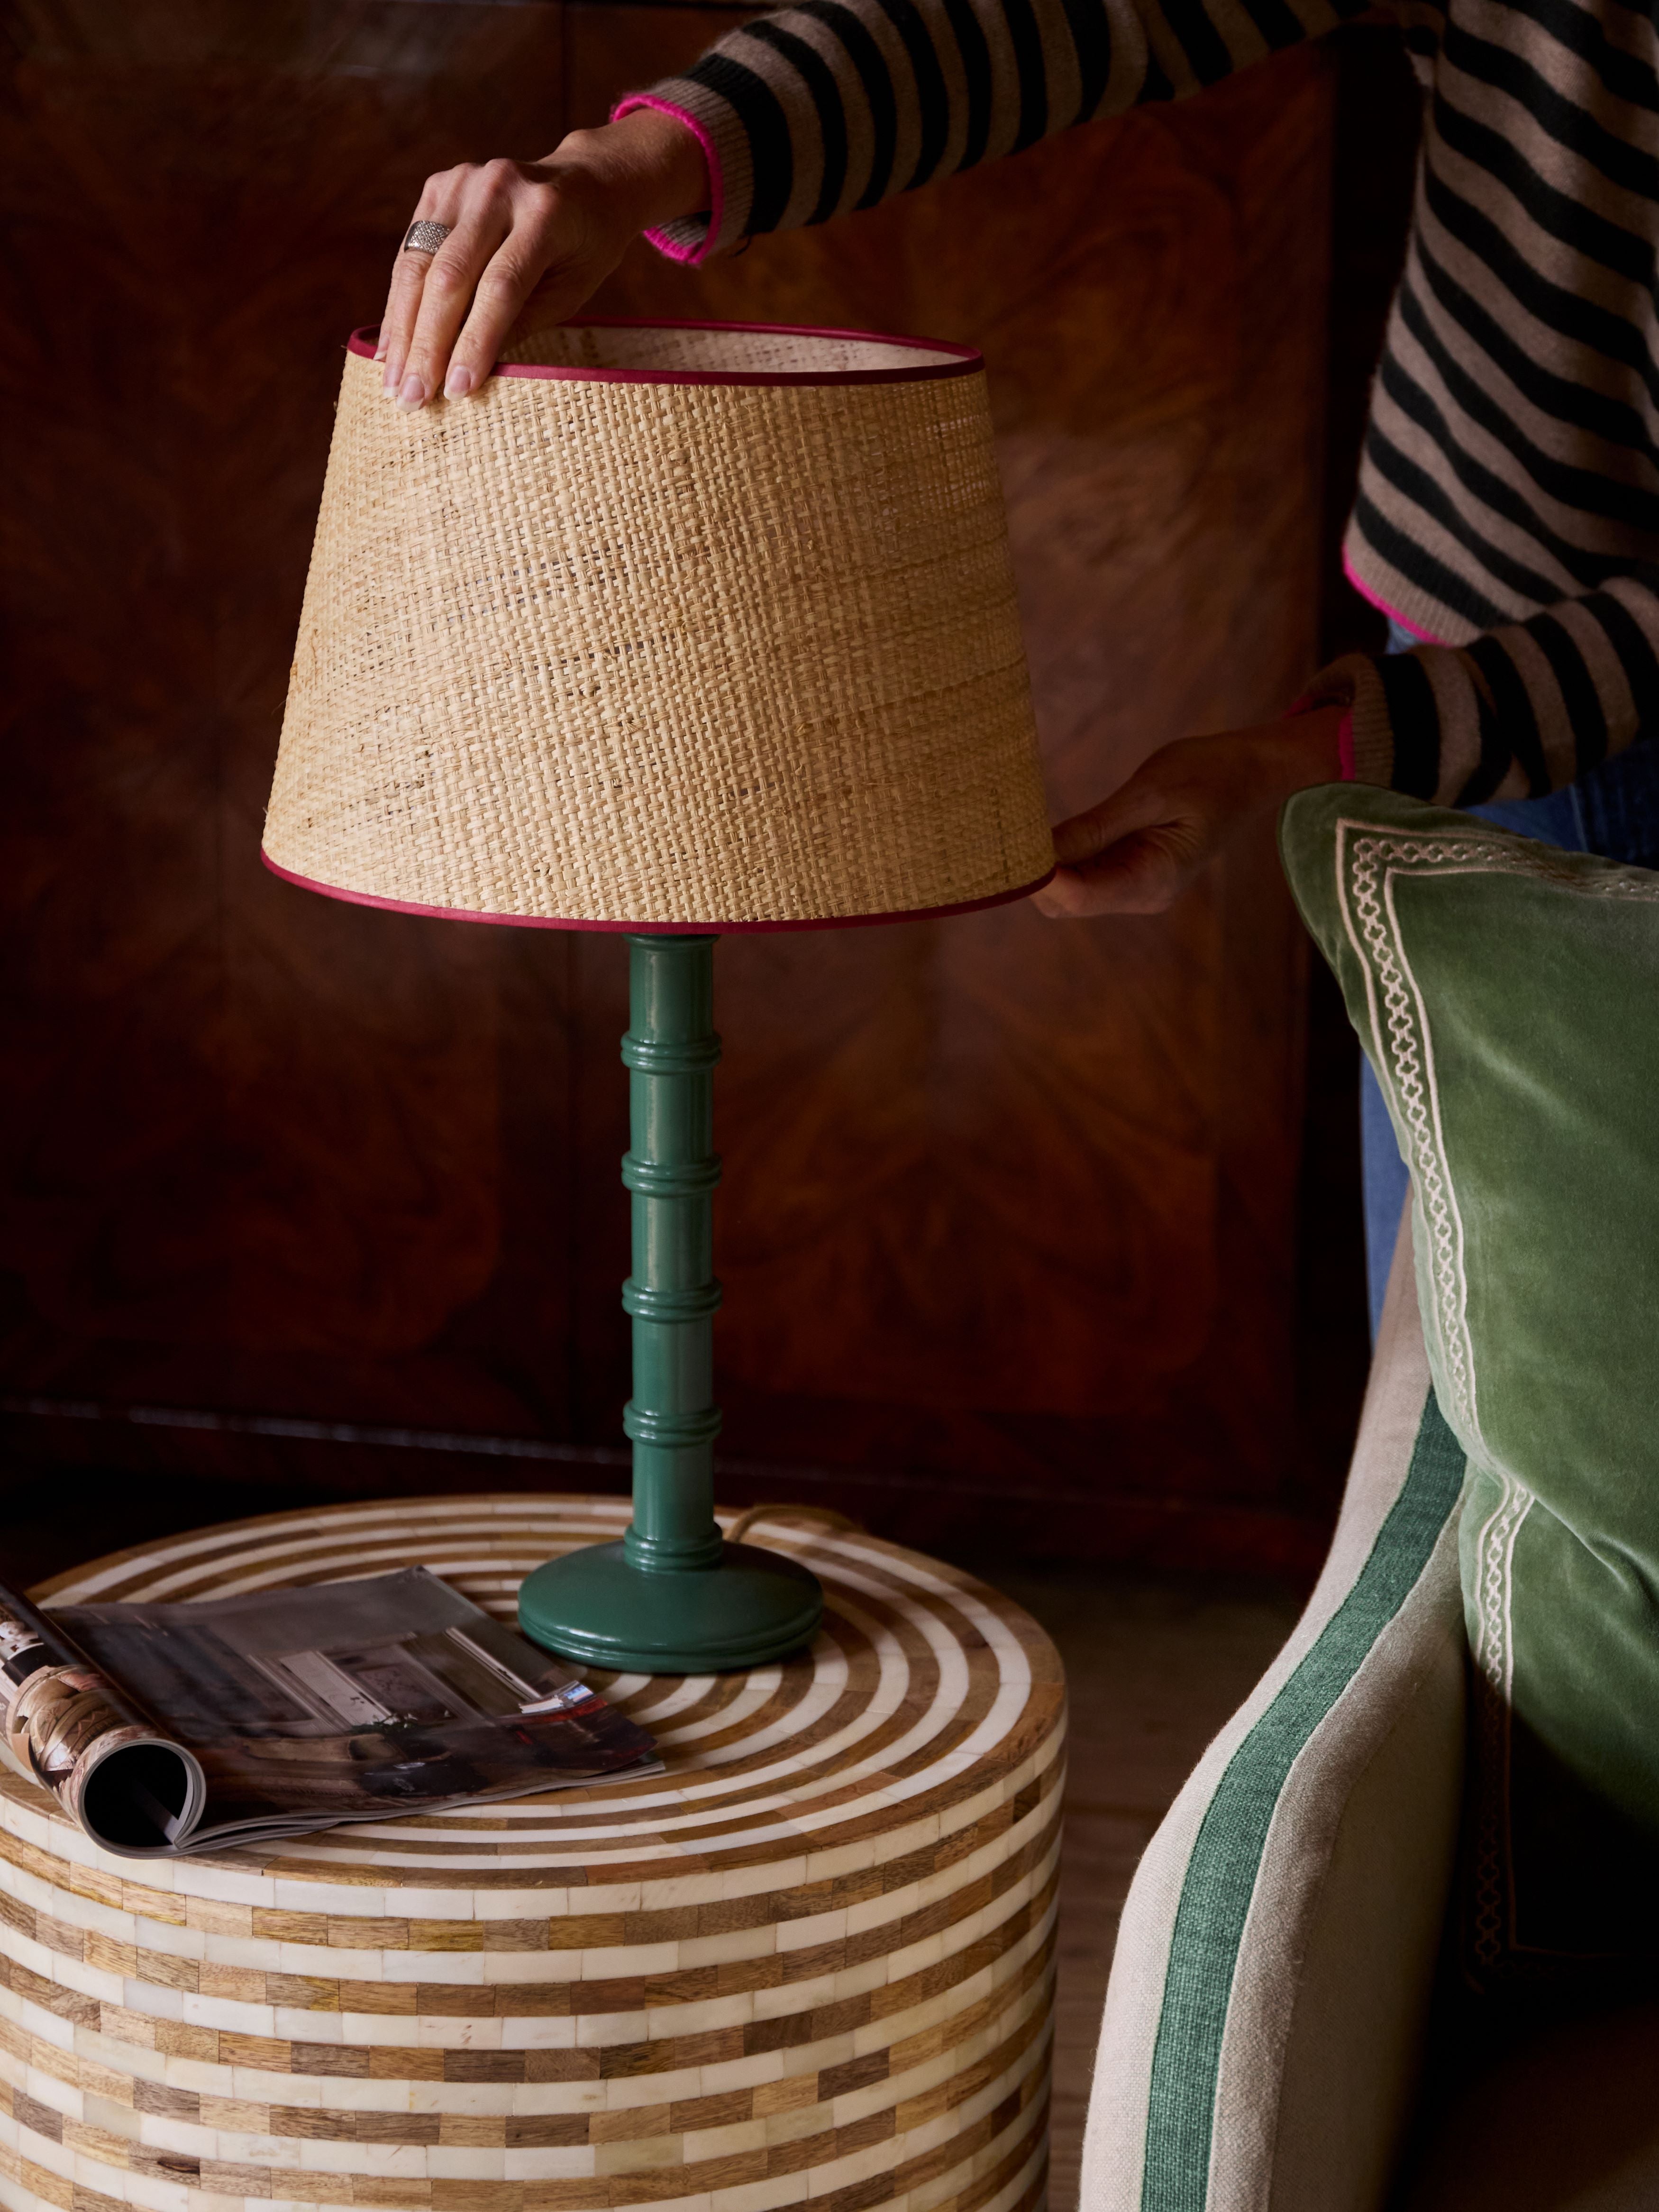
<point>1268,1998</point>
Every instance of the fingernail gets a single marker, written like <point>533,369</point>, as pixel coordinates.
<point>459,383</point>
<point>389,383</point>
<point>380,350</point>
<point>413,393</point>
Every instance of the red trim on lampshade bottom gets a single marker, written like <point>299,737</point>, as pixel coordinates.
<point>966,361</point>
<point>651,928</point>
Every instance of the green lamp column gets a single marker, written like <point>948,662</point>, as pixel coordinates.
<point>673,1596</point>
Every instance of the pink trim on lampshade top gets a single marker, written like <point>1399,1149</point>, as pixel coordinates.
<point>692,256</point>
<point>1375,600</point>
<point>653,928</point>
<point>965,360</point>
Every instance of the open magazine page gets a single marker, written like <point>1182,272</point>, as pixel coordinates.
<point>345,1701</point>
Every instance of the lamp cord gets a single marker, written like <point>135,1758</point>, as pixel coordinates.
<point>746,1520</point>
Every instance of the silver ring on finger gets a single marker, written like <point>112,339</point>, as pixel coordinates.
<point>426,237</point>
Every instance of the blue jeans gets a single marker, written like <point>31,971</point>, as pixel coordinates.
<point>1613,811</point>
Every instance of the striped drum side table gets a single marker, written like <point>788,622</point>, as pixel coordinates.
<point>810,1964</point>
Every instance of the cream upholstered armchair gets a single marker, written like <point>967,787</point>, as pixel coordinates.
<point>1270,2001</point>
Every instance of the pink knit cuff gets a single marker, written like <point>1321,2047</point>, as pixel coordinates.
<point>1375,599</point>
<point>677,249</point>
<point>1306,704</point>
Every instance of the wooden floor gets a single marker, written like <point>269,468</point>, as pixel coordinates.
<point>1155,1664</point>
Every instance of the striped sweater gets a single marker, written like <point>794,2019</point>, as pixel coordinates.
<point>1508,508</point>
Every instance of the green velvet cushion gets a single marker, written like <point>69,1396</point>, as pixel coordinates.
<point>1508,996</point>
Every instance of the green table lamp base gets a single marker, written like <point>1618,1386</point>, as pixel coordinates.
<point>673,1597</point>
<point>596,1605</point>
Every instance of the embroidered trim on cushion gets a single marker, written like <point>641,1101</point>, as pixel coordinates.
<point>1369,860</point>
<point>1227,1853</point>
<point>1494,1660</point>
<point>1404,1059</point>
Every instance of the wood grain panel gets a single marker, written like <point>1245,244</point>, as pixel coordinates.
<point>1008,1216</point>
<point>256,1143</point>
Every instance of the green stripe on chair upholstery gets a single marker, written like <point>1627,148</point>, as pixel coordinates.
<point>1226,1856</point>
<point>1276,1951</point>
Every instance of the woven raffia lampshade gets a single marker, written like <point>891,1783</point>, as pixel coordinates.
<point>672,625</point>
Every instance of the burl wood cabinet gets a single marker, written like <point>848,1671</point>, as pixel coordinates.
<point>288,1187</point>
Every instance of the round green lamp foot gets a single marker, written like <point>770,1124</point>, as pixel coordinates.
<point>593,1605</point>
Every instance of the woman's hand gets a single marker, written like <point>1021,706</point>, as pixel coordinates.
<point>562,224</point>
<point>1139,850</point>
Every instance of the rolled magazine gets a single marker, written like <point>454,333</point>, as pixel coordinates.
<point>171,1729</point>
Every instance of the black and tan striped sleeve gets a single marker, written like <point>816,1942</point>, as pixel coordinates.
<point>834,105</point>
<point>1516,713</point>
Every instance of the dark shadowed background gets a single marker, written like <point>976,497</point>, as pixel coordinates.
<point>1035,1235</point>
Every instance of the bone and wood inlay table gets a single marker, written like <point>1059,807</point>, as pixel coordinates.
<point>811,1963</point>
